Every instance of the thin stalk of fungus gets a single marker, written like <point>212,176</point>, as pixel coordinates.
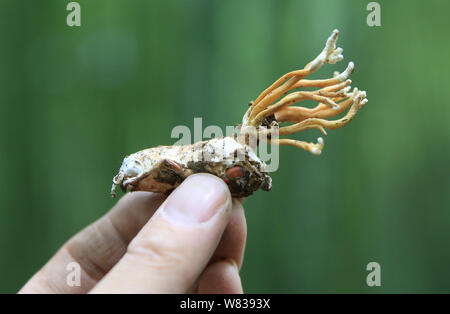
<point>163,168</point>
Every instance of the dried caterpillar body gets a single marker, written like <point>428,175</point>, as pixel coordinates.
<point>163,168</point>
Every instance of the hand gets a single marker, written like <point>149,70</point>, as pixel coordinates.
<point>193,241</point>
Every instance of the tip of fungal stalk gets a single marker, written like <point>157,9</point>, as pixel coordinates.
<point>359,98</point>
<point>317,149</point>
<point>330,45</point>
<point>329,54</point>
<point>347,72</point>
<point>363,98</point>
<point>354,92</point>
<point>347,89</point>
<point>336,56</point>
<point>334,34</point>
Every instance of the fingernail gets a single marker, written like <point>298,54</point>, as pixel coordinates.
<point>233,263</point>
<point>197,199</point>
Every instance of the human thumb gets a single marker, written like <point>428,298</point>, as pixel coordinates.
<point>173,248</point>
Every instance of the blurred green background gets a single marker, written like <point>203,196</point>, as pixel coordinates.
<point>74,101</point>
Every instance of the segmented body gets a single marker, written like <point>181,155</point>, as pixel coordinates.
<point>163,168</point>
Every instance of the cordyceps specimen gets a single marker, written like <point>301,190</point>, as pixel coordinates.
<point>163,168</point>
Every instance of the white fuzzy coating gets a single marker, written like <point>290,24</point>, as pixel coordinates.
<point>132,167</point>
<point>329,54</point>
<point>358,97</point>
<point>223,149</point>
<point>215,150</point>
<point>346,89</point>
<point>354,92</point>
<point>316,151</point>
<point>320,141</point>
<point>347,72</point>
<point>336,56</point>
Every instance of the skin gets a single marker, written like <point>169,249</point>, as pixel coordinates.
<point>190,242</point>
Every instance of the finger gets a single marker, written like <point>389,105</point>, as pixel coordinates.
<point>97,247</point>
<point>232,244</point>
<point>221,277</point>
<point>173,248</point>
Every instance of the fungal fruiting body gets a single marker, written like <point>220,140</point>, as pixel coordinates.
<point>163,168</point>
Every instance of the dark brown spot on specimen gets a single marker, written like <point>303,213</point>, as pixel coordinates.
<point>235,172</point>
<point>174,165</point>
<point>169,172</point>
<point>267,122</point>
